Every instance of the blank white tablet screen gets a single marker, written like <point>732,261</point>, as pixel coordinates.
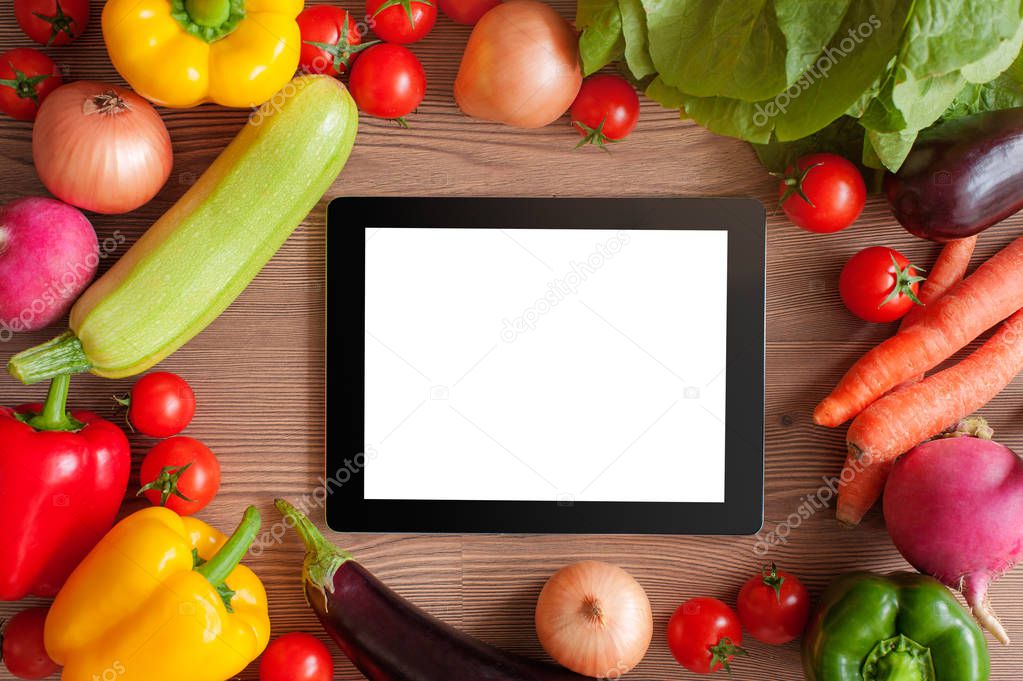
<point>545,364</point>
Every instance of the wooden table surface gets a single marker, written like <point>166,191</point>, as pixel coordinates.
<point>258,370</point>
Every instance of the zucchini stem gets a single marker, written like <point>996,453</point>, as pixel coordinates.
<point>62,355</point>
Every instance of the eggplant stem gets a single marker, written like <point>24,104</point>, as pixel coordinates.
<point>322,559</point>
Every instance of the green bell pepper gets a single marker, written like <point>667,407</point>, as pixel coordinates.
<point>899,627</point>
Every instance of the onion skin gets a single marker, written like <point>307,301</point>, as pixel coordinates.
<point>595,619</point>
<point>111,161</point>
<point>954,509</point>
<point>520,67</point>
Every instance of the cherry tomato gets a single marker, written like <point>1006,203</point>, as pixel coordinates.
<point>180,473</point>
<point>774,606</point>
<point>331,39</point>
<point>467,12</point>
<point>387,81</point>
<point>401,21</point>
<point>296,657</point>
<point>826,194</point>
<point>605,110</point>
<point>161,404</point>
<point>27,77</point>
<point>878,284</point>
<point>52,22</point>
<point>704,635</point>
<point>23,651</point>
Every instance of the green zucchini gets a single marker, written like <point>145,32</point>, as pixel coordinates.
<point>197,258</point>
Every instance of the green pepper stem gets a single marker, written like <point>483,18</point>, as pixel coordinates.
<point>217,568</point>
<point>208,12</point>
<point>62,355</point>
<point>899,658</point>
<point>208,20</point>
<point>54,415</point>
<point>322,559</point>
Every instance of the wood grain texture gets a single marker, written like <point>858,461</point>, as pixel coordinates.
<point>258,370</point>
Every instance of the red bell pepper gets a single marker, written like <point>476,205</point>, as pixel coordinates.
<point>62,479</point>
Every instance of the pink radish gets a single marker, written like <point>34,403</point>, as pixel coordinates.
<point>954,508</point>
<point>48,255</point>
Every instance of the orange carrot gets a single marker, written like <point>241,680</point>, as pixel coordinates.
<point>972,306</point>
<point>860,486</point>
<point>948,270</point>
<point>899,421</point>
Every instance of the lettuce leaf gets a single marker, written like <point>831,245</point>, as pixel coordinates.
<point>602,41</point>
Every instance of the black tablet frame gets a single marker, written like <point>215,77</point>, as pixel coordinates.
<point>346,508</point>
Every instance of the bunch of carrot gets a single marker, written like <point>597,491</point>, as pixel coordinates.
<point>893,406</point>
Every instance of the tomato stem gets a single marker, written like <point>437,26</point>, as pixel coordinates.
<point>723,652</point>
<point>343,50</point>
<point>774,580</point>
<point>904,283</point>
<point>59,23</point>
<point>595,136</point>
<point>793,180</point>
<point>167,482</point>
<point>26,87</point>
<point>406,4</point>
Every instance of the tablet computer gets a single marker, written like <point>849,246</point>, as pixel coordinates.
<point>545,365</point>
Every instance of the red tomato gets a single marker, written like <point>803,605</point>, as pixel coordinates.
<point>180,473</point>
<point>467,12</point>
<point>296,657</point>
<point>605,110</point>
<point>327,46</point>
<point>878,284</point>
<point>52,22</point>
<point>387,81</point>
<point>161,404</point>
<point>401,21</point>
<point>23,651</point>
<point>704,635</point>
<point>825,195</point>
<point>27,77</point>
<point>774,606</point>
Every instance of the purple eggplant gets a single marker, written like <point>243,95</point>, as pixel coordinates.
<point>961,177</point>
<point>387,637</point>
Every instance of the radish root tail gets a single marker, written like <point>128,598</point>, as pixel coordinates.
<point>974,588</point>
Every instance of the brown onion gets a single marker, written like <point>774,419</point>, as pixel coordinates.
<point>594,619</point>
<point>521,66</point>
<point>101,147</point>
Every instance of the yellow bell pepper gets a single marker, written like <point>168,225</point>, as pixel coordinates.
<point>161,598</point>
<point>181,53</point>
